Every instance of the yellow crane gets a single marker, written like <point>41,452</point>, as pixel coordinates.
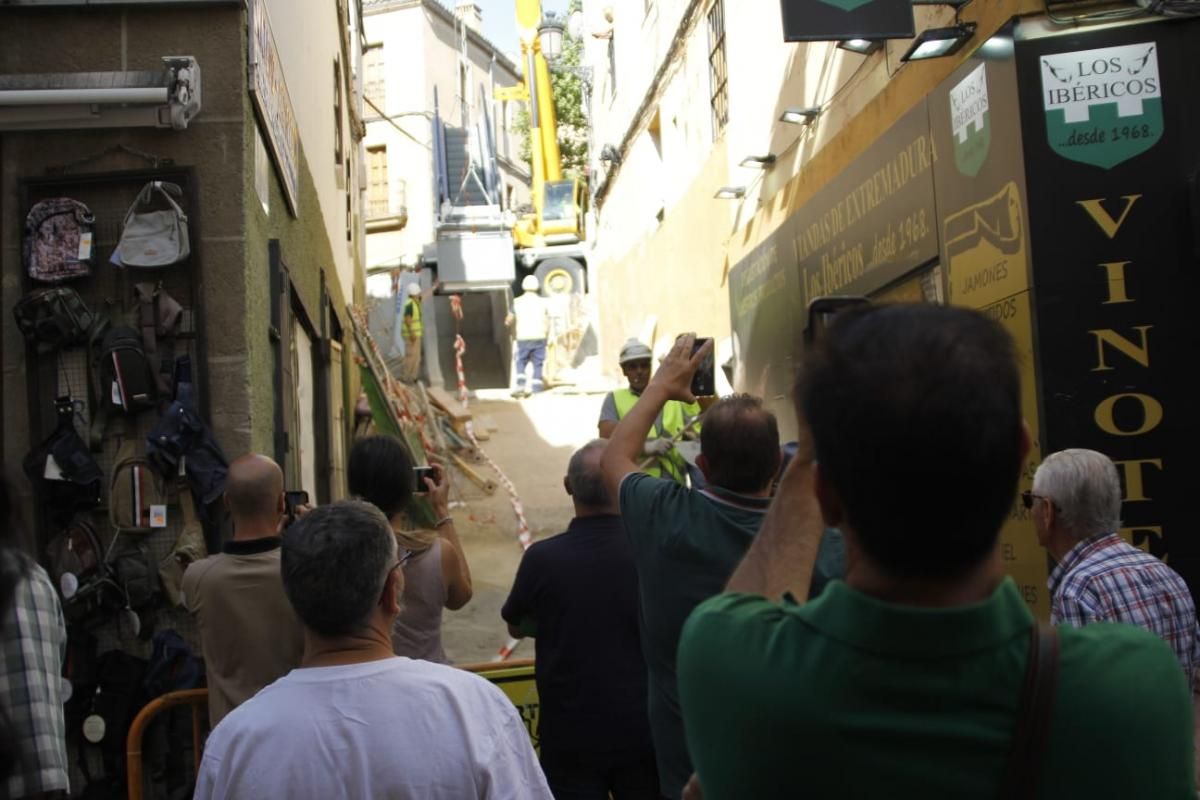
<point>547,240</point>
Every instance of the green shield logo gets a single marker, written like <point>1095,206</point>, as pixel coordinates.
<point>846,5</point>
<point>1103,107</point>
<point>971,122</point>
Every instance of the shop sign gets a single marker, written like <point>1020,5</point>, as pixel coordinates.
<point>869,226</point>
<point>273,103</point>
<point>970,121</point>
<point>832,20</point>
<point>1104,106</point>
<point>1115,264</point>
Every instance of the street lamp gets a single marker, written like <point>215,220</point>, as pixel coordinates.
<point>550,34</point>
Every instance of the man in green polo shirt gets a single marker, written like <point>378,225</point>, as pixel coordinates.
<point>905,681</point>
<point>686,542</point>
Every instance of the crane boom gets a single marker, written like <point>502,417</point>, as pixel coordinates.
<point>557,203</point>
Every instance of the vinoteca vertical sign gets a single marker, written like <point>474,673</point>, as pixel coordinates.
<point>1104,106</point>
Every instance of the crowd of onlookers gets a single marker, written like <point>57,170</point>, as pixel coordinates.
<point>838,625</point>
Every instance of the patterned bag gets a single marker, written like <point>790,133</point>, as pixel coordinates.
<point>58,240</point>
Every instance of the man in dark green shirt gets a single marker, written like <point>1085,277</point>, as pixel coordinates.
<point>905,681</point>
<point>685,542</point>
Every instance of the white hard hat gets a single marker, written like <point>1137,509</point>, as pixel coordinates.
<point>530,283</point>
<point>633,350</point>
<point>414,289</point>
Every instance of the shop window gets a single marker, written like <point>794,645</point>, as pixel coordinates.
<point>378,199</point>
<point>718,67</point>
<point>374,79</point>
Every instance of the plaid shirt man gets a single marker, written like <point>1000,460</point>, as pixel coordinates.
<point>31,687</point>
<point>1104,579</point>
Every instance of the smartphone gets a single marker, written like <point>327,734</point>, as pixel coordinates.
<point>704,382</point>
<point>823,310</point>
<point>420,474</point>
<point>293,499</point>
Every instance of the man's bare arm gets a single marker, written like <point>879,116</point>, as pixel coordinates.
<point>672,381</point>
<point>783,554</point>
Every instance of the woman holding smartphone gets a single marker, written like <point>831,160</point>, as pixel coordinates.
<point>436,574</point>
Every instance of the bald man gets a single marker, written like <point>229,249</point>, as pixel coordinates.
<point>249,632</point>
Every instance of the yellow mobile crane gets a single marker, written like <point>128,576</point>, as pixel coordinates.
<point>548,241</point>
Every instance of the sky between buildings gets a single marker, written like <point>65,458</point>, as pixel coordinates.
<point>500,21</point>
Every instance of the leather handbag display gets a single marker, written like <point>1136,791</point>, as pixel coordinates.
<point>154,237</point>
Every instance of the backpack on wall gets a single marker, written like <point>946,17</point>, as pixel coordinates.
<point>127,381</point>
<point>55,317</point>
<point>135,492</point>
<point>58,240</point>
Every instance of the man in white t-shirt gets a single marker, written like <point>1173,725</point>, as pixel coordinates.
<point>354,720</point>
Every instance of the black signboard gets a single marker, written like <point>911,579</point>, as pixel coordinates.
<point>867,227</point>
<point>1111,138</point>
<point>831,20</point>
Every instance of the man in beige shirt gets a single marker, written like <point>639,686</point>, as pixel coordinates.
<point>249,632</point>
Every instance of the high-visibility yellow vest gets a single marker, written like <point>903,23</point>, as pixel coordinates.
<point>414,327</point>
<point>670,421</point>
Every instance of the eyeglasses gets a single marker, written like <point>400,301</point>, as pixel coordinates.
<point>405,555</point>
<point>1027,498</point>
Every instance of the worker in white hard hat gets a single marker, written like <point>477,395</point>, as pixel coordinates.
<point>531,318</point>
<point>414,330</point>
<point>671,425</point>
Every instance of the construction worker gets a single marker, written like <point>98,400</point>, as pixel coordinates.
<point>668,428</point>
<point>414,329</point>
<point>531,316</point>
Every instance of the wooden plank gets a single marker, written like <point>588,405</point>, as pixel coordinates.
<point>450,405</point>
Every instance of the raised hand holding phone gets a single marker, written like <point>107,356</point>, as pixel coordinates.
<point>674,374</point>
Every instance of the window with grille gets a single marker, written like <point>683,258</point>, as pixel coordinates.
<point>374,82</point>
<point>378,197</point>
<point>718,68</point>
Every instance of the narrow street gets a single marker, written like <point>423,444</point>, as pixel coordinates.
<point>531,441</point>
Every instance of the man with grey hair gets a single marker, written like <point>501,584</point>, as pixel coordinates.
<point>576,594</point>
<point>1076,509</point>
<point>354,720</point>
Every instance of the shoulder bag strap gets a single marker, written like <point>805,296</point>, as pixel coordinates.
<point>1031,734</point>
<point>166,189</point>
<point>142,199</point>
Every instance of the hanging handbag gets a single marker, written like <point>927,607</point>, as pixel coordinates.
<point>136,492</point>
<point>154,238</point>
<point>53,318</point>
